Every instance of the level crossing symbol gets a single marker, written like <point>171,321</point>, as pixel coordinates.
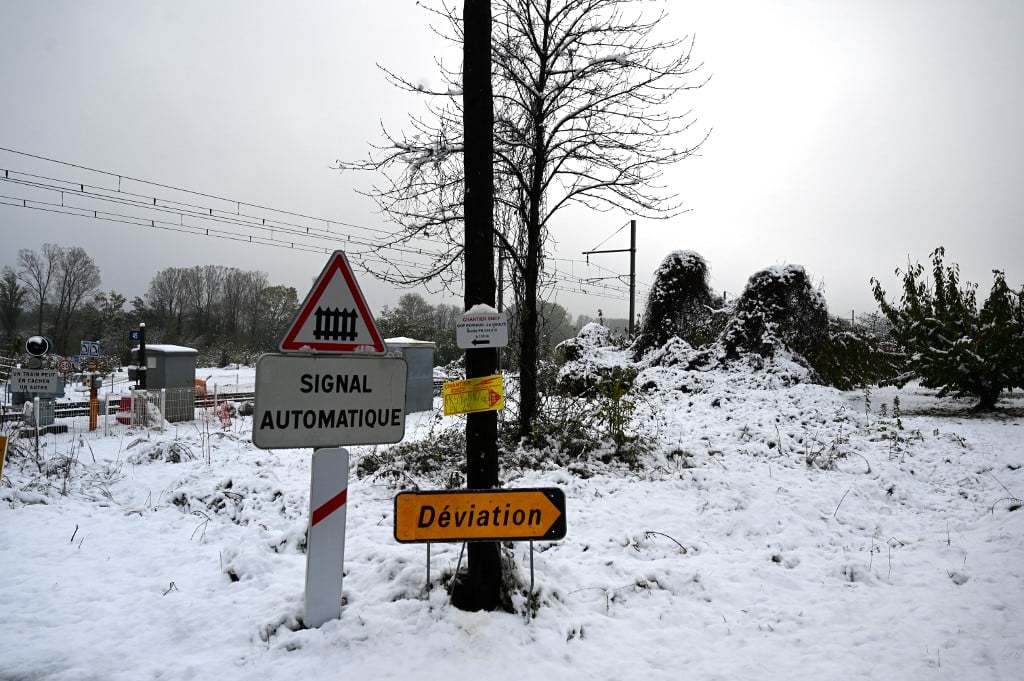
<point>335,324</point>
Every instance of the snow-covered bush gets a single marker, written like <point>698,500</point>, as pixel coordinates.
<point>591,336</point>
<point>779,308</point>
<point>680,304</point>
<point>851,357</point>
<point>779,316</point>
<point>589,408</point>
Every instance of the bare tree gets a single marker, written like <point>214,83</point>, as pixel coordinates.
<point>204,285</point>
<point>37,271</point>
<point>253,305</point>
<point>77,276</point>
<point>581,95</point>
<point>165,299</point>
<point>236,283</point>
<point>223,305</point>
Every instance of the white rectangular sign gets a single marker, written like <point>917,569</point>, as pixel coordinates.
<point>481,330</point>
<point>36,381</point>
<point>328,400</point>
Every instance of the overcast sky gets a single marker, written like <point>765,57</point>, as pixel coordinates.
<point>845,136</point>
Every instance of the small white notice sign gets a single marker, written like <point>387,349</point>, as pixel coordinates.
<point>481,328</point>
<point>43,381</point>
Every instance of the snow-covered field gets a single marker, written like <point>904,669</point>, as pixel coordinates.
<point>775,533</point>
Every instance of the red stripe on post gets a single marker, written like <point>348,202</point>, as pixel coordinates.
<point>330,506</point>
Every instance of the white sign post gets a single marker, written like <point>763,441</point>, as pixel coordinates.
<point>333,386</point>
<point>325,544</point>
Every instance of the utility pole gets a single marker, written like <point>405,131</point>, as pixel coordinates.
<point>632,272</point>
<point>632,278</point>
<point>481,588</point>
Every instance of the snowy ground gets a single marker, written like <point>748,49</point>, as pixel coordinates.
<point>774,534</point>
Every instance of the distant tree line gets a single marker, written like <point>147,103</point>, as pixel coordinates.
<point>226,313</point>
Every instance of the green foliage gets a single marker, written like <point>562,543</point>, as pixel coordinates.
<point>590,417</point>
<point>951,344</point>
<point>415,318</point>
<point>849,357</point>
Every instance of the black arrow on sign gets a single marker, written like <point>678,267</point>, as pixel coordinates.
<point>481,342</point>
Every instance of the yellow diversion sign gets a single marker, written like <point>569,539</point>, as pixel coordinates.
<point>473,395</point>
<point>480,515</point>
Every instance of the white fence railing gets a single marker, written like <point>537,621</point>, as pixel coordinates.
<point>137,411</point>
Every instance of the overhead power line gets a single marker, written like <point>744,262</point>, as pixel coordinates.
<point>134,201</point>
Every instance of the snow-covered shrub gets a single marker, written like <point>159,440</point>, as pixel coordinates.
<point>850,358</point>
<point>680,304</point>
<point>589,405</point>
<point>779,325</point>
<point>441,456</point>
<point>590,337</point>
<point>171,451</point>
<point>587,359</point>
<point>778,309</point>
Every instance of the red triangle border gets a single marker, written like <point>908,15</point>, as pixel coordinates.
<point>338,262</point>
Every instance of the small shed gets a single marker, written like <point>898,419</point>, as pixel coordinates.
<point>173,368</point>
<point>419,356</point>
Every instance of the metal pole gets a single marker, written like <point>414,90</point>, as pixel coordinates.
<point>531,599</point>
<point>35,408</point>
<point>632,277</point>
<point>142,356</point>
<point>481,589</point>
<point>631,327</point>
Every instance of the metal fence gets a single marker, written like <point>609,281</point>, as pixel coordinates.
<point>45,423</point>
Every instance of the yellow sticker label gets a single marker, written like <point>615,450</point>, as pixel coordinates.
<point>472,395</point>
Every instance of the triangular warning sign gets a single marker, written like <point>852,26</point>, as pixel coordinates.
<point>334,317</point>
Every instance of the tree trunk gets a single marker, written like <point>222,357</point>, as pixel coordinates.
<point>529,390</point>
<point>988,395</point>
